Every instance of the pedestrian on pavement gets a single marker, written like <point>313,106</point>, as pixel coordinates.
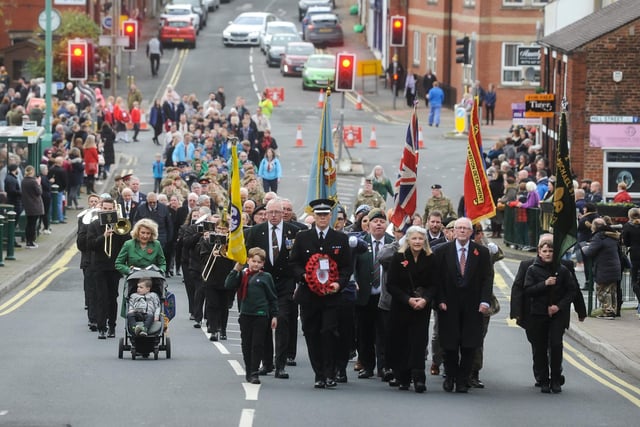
<point>478,93</point>
<point>427,83</point>
<point>631,239</point>
<point>32,202</point>
<point>91,162</point>
<point>136,118</point>
<point>490,99</point>
<point>154,52</point>
<point>108,138</point>
<point>435,98</point>
<point>156,120</point>
<point>410,89</point>
<point>46,200</point>
<point>58,176</point>
<point>13,189</point>
<point>550,290</point>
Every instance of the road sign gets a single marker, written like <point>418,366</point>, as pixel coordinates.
<point>107,22</point>
<point>613,119</point>
<point>461,119</point>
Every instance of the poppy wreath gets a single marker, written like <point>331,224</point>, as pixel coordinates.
<point>313,283</point>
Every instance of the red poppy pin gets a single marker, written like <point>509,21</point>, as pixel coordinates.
<point>475,252</point>
<point>149,251</point>
<point>336,251</point>
<point>405,263</point>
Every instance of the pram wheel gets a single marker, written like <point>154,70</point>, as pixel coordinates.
<point>155,355</point>
<point>167,346</point>
<point>121,348</point>
<point>133,354</point>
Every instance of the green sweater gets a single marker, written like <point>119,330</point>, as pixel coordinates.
<point>261,299</point>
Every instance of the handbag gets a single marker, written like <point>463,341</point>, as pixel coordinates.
<point>92,168</point>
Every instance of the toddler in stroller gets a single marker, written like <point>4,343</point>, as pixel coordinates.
<point>144,306</point>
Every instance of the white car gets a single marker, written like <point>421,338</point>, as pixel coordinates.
<point>247,28</point>
<point>181,10</point>
<point>276,27</point>
<point>212,5</point>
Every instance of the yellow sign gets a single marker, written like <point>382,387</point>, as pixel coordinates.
<point>369,67</point>
<point>461,119</point>
<point>540,97</point>
<point>541,105</point>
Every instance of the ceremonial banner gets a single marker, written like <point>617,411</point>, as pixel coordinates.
<point>236,249</point>
<point>405,198</point>
<point>477,197</point>
<point>563,220</point>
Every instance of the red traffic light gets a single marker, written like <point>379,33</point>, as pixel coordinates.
<point>345,72</point>
<point>397,23</point>
<point>77,51</point>
<point>130,31</point>
<point>346,62</point>
<point>398,32</point>
<point>77,61</point>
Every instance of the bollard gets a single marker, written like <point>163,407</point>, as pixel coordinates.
<point>11,234</point>
<point>2,222</point>
<point>54,204</point>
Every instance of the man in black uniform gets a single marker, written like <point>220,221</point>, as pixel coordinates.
<point>276,237</point>
<point>325,253</point>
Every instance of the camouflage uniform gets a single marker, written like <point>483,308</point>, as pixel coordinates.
<point>373,199</point>
<point>442,204</point>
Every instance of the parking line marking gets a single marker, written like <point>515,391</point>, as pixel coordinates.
<point>246,417</point>
<point>237,367</point>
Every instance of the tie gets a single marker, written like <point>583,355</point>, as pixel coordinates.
<point>375,280</point>
<point>463,261</point>
<point>127,209</point>
<point>321,238</point>
<point>275,247</point>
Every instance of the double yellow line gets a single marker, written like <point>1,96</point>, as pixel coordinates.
<point>39,284</point>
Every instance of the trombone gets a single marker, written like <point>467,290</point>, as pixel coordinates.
<point>121,227</point>
<point>219,249</point>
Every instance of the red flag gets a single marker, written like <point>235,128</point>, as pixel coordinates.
<point>477,196</point>
<point>405,197</point>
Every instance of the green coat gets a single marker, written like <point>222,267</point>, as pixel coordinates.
<point>132,255</point>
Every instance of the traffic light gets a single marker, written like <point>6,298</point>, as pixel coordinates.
<point>345,72</point>
<point>462,50</point>
<point>398,32</point>
<point>77,64</point>
<point>130,31</point>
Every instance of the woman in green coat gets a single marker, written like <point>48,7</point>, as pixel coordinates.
<point>381,183</point>
<point>142,250</point>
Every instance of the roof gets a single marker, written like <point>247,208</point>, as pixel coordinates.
<point>594,26</point>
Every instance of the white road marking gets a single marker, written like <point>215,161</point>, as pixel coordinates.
<point>2,413</point>
<point>221,348</point>
<point>251,391</point>
<point>237,367</point>
<point>246,417</point>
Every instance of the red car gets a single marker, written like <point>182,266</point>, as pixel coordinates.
<point>294,57</point>
<point>178,30</point>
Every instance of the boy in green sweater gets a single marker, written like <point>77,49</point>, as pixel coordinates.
<point>258,303</point>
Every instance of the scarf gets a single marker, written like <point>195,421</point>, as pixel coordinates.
<point>244,283</point>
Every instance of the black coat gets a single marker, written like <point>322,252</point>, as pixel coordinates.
<point>363,270</point>
<point>631,238</point>
<point>221,266</point>
<point>461,324</point>
<point>541,297</point>
<point>96,244</point>
<point>108,137</point>
<point>32,196</point>
<point>14,193</point>
<point>257,236</point>
<point>161,216</point>
<point>408,279</point>
<point>604,249</point>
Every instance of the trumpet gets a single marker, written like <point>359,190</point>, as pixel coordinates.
<point>121,227</point>
<point>219,249</point>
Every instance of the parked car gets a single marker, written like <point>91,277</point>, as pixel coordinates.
<point>184,10</point>
<point>200,8</point>
<point>178,30</point>
<point>276,27</point>
<point>294,56</point>
<point>212,5</point>
<point>303,5</point>
<point>319,71</point>
<point>325,30</point>
<point>247,28</point>
<point>278,44</point>
<point>313,10</point>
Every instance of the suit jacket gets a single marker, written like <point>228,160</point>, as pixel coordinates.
<point>132,211</point>
<point>336,246</point>
<point>364,268</point>
<point>461,324</point>
<point>161,216</point>
<point>258,236</point>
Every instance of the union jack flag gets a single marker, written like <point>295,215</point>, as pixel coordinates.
<point>406,196</point>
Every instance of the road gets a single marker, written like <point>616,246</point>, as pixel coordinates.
<point>55,372</point>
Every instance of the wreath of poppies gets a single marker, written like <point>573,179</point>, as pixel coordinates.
<point>312,279</point>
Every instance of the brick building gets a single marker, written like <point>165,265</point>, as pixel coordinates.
<point>594,63</point>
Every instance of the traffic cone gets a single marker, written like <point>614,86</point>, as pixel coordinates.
<point>299,137</point>
<point>350,139</point>
<point>275,98</point>
<point>321,99</point>
<point>420,141</point>
<point>359,102</point>
<point>372,140</point>
<point>143,121</point>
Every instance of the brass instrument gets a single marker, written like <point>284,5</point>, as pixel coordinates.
<point>89,215</point>
<point>219,249</point>
<point>121,227</point>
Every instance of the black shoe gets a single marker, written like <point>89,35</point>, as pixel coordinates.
<point>403,387</point>
<point>462,387</point>
<point>331,383</point>
<point>544,388</point>
<point>197,325</point>
<point>254,379</point>
<point>291,361</point>
<point>387,375</point>
<point>447,385</point>
<point>223,335</point>
<point>365,373</point>
<point>93,327</point>
<point>320,384</point>
<point>282,374</point>
<point>265,371</point>
<point>420,387</point>
<point>213,337</point>
<point>111,333</point>
<point>555,387</point>
<point>394,382</point>
<point>341,377</point>
<point>475,382</point>
<point>102,335</point>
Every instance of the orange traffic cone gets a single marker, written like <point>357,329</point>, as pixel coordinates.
<point>372,141</point>
<point>299,137</point>
<point>143,121</point>
<point>350,139</point>
<point>321,99</point>
<point>275,98</point>
<point>359,102</point>
<point>420,141</point>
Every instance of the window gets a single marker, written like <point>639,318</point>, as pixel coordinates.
<point>432,52</point>
<point>510,69</point>
<point>519,71</point>
<point>416,47</point>
<point>518,3</point>
<point>513,2</point>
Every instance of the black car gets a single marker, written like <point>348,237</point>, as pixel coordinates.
<point>303,5</point>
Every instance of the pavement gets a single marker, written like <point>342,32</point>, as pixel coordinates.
<point>615,340</point>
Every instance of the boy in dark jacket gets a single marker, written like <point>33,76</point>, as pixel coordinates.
<point>257,302</point>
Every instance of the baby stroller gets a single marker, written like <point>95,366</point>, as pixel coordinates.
<point>155,341</point>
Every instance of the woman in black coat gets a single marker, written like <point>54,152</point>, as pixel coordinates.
<point>631,239</point>
<point>550,292</point>
<point>46,199</point>
<point>32,203</point>
<point>412,286</point>
<point>108,137</point>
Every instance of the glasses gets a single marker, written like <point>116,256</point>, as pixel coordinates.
<point>274,212</point>
<point>340,219</point>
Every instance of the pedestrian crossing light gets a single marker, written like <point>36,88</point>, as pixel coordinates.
<point>130,31</point>
<point>345,72</point>
<point>398,32</point>
<point>462,50</point>
<point>77,62</point>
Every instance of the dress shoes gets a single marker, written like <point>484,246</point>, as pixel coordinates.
<point>223,335</point>
<point>111,333</point>
<point>387,375</point>
<point>319,384</point>
<point>462,387</point>
<point>197,325</point>
<point>555,387</point>
<point>291,361</point>
<point>342,376</point>
<point>358,366</point>
<point>474,382</point>
<point>213,337</point>
<point>265,370</point>
<point>364,374</point>
<point>403,387</point>
<point>435,369</point>
<point>420,387</point>
<point>331,383</point>
<point>93,327</point>
<point>102,335</point>
<point>394,382</point>
<point>282,374</point>
<point>254,379</point>
<point>544,388</point>
<point>447,385</point>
